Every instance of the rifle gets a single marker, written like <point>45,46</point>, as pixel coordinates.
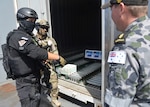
<point>46,73</point>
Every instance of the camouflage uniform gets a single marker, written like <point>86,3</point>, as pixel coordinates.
<point>50,45</point>
<point>129,76</point>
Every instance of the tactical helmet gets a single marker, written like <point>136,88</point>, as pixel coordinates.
<point>42,22</point>
<point>24,13</point>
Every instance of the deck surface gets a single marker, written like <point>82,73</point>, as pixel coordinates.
<point>9,98</point>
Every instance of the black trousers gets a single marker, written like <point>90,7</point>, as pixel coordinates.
<point>28,92</point>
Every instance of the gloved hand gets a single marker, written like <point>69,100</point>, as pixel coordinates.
<point>62,61</point>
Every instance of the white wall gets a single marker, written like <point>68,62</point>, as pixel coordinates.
<point>7,23</point>
<point>40,6</point>
<point>8,9</point>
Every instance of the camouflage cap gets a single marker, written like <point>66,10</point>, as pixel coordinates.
<point>42,22</point>
<point>126,2</point>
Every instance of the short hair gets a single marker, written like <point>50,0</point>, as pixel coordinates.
<point>136,11</point>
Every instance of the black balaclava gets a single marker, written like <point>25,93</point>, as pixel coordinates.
<point>28,26</point>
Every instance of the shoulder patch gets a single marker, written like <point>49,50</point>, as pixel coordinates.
<point>117,57</point>
<point>22,41</point>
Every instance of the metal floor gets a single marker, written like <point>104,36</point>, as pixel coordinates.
<point>9,98</point>
<point>8,95</point>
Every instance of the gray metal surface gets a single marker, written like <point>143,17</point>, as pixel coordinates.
<point>81,62</point>
<point>9,97</point>
<point>8,94</point>
<point>75,57</point>
<point>95,80</point>
<point>88,69</point>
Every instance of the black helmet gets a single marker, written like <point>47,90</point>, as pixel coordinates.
<point>24,13</point>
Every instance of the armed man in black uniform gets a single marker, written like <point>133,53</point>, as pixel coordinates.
<point>25,57</point>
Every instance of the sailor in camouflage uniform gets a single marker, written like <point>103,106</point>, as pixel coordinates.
<point>49,44</point>
<point>129,73</point>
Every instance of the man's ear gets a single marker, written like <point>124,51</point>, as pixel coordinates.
<point>122,7</point>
